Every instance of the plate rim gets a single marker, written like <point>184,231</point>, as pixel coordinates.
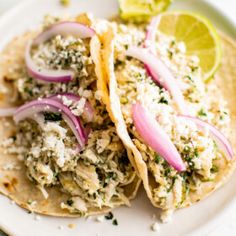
<point>232,23</point>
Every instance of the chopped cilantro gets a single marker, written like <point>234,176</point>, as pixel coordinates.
<point>170,54</point>
<point>167,168</point>
<point>69,202</point>
<point>195,152</point>
<point>202,113</point>
<point>193,69</point>
<point>163,100</point>
<point>118,63</point>
<point>28,90</point>
<point>172,184</point>
<point>167,171</point>
<point>215,144</point>
<point>172,43</point>
<point>214,169</point>
<point>50,116</point>
<point>111,175</point>
<point>109,216</point>
<point>29,202</point>
<point>124,100</point>
<point>80,66</point>
<point>115,222</point>
<point>157,158</point>
<point>189,78</point>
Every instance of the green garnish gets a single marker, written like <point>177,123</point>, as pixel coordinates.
<point>29,202</point>
<point>115,222</point>
<point>202,113</point>
<point>124,100</point>
<point>109,216</point>
<point>163,100</point>
<point>214,169</point>
<point>50,116</point>
<point>69,202</point>
<point>28,90</point>
<point>189,78</point>
<point>118,63</point>
<point>157,158</point>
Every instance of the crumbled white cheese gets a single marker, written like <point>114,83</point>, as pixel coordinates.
<point>37,217</point>
<point>166,215</point>
<point>66,101</point>
<point>155,227</point>
<point>79,109</point>
<point>181,46</point>
<point>12,202</point>
<point>61,227</point>
<point>100,218</point>
<point>98,95</point>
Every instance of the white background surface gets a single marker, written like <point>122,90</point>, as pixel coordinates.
<point>225,225</point>
<point>228,6</point>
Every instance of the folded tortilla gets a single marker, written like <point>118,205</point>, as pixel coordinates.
<point>14,182</point>
<point>225,79</point>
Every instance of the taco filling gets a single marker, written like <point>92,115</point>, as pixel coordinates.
<point>173,118</point>
<point>63,135</point>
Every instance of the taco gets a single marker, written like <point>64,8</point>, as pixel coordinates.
<point>179,128</point>
<point>60,154</point>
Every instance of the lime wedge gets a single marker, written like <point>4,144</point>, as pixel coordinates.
<point>198,34</point>
<point>141,10</point>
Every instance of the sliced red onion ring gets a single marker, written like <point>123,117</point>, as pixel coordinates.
<point>6,112</point>
<point>150,38</point>
<point>154,136</point>
<point>160,73</point>
<point>88,110</point>
<point>151,32</point>
<point>216,135</point>
<point>33,108</point>
<point>64,29</point>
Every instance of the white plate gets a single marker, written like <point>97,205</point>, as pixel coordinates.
<point>204,218</point>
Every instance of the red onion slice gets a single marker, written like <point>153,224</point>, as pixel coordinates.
<point>7,112</point>
<point>64,29</point>
<point>33,108</point>
<point>88,110</point>
<point>151,32</point>
<point>155,137</point>
<point>160,73</point>
<point>216,135</point>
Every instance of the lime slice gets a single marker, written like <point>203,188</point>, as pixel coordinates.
<point>141,10</point>
<point>198,34</point>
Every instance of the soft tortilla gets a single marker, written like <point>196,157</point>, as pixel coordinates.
<point>226,81</point>
<point>14,183</point>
